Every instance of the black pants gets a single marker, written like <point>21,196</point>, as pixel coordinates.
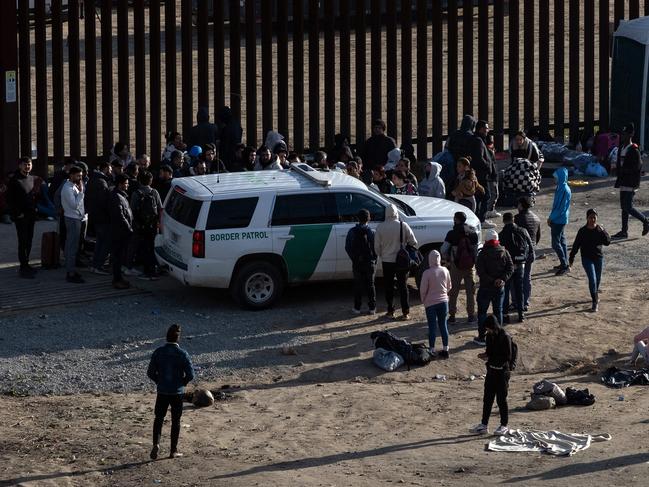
<point>162,403</point>
<point>514,287</point>
<point>118,251</point>
<point>364,284</point>
<point>144,243</point>
<point>25,231</point>
<point>496,385</point>
<point>390,272</point>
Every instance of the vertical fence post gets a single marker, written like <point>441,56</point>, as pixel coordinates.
<point>106,76</point>
<point>235,59</point>
<point>634,9</point>
<point>345,70</point>
<point>314,75</point>
<point>187,81</point>
<point>9,138</point>
<point>406,75</point>
<point>499,73</point>
<point>483,60</point>
<point>123,75</point>
<point>559,84</point>
<point>218,75</point>
<point>267,68</point>
<point>155,123</point>
<point>361,74</point>
<point>330,110</point>
<point>282,67</point>
<point>251,73</point>
<point>298,76</point>
<point>573,70</point>
<point>58,123</point>
<point>529,61</point>
<point>171,97</point>
<point>90,57</point>
<point>467,57</point>
<point>603,64</point>
<point>203,54</point>
<point>42,138</point>
<point>451,22</point>
<point>437,65</point>
<point>514,17</point>
<point>74,79</point>
<point>391,68</point>
<point>618,12</point>
<point>589,66</point>
<point>422,80</point>
<point>375,53</point>
<point>544,66</point>
<point>24,76</point>
<point>140,81</point>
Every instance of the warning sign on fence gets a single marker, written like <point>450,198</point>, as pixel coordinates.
<point>10,86</point>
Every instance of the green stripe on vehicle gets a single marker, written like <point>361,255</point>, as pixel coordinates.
<point>304,251</point>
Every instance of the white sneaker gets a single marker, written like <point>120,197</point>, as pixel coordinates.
<point>480,429</point>
<point>486,225</point>
<point>372,312</point>
<point>356,311</point>
<point>501,430</point>
<point>132,272</point>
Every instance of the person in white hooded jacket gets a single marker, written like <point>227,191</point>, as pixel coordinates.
<point>390,235</point>
<point>432,184</point>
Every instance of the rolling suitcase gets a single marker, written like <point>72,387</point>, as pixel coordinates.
<point>50,250</point>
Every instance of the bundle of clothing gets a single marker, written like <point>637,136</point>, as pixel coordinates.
<point>618,378</point>
<point>522,176</point>
<point>550,442</point>
<point>547,395</point>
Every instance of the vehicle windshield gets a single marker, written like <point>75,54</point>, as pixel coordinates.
<point>407,209</point>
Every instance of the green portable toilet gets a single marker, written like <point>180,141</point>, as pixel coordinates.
<point>629,78</point>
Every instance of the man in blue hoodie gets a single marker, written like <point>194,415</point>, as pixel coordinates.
<point>559,219</point>
<point>171,369</point>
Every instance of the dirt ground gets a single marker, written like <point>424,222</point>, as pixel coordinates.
<point>328,417</point>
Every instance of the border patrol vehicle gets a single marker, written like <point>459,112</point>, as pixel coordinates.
<point>254,233</point>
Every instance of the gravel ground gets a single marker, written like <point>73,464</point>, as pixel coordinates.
<point>106,345</point>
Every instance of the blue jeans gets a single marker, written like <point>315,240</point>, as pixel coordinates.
<point>436,315</point>
<point>559,243</point>
<point>485,297</point>
<point>515,286</point>
<point>593,269</point>
<point>626,203</point>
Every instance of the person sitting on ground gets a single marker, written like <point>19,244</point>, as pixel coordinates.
<point>402,185</point>
<point>433,290</point>
<point>431,184</point>
<point>467,185</point>
<point>640,347</point>
<point>359,246</point>
<point>524,148</point>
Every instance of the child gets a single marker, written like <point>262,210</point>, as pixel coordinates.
<point>434,287</point>
<point>467,185</point>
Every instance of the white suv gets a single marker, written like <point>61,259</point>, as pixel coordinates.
<point>256,232</point>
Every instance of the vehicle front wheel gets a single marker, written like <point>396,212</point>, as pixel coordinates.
<point>257,285</point>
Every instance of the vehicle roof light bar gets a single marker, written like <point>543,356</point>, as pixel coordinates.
<point>308,172</point>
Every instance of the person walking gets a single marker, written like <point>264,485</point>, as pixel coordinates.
<point>518,244</point>
<point>22,192</point>
<point>121,228</point>
<point>589,241</point>
<point>629,173</point>
<point>72,196</point>
<point>390,236</point>
<point>433,290</point>
<point>460,250</point>
<point>558,219</point>
<point>499,358</point>
<point>359,246</point>
<point>171,369</point>
<point>494,267</point>
<point>528,220</point>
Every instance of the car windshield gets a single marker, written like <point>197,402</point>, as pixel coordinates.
<point>398,203</point>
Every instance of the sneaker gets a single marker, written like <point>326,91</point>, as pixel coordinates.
<point>486,225</point>
<point>521,317</point>
<point>443,354</point>
<point>432,352</point>
<point>562,271</point>
<point>645,228</point>
<point>405,317</point>
<point>557,267</point>
<point>620,236</point>
<point>356,311</point>
<point>372,312</point>
<point>493,214</point>
<point>526,308</point>
<point>595,307</point>
<point>74,278</point>
<point>471,320</point>
<point>99,271</point>
<point>175,454</point>
<point>154,452</point>
<point>480,341</point>
<point>451,319</point>
<point>121,284</point>
<point>389,314</point>
<point>131,272</point>
<point>480,429</point>
<point>501,430</point>
<point>148,277</point>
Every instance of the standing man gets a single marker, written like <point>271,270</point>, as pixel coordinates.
<point>204,132</point>
<point>74,214</point>
<point>22,192</point>
<point>375,149</point>
<point>558,219</point>
<point>163,185</point>
<point>460,250</point>
<point>121,229</point>
<point>483,163</point>
<point>495,268</point>
<point>518,244</point>
<point>171,369</point>
<point>628,181</point>
<point>98,194</point>
<point>359,246</point>
<point>146,207</point>
<point>528,220</point>
<point>499,358</point>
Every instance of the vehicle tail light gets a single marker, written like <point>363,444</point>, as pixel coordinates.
<point>198,244</point>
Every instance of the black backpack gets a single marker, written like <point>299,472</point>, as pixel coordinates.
<point>413,354</point>
<point>146,214</point>
<point>520,249</point>
<point>361,247</point>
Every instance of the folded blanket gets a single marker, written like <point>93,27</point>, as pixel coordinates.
<point>551,442</point>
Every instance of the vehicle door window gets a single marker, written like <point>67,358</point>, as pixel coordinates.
<point>183,209</point>
<point>349,204</point>
<point>304,209</point>
<point>235,213</point>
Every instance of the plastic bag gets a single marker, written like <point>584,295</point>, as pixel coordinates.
<point>387,360</point>
<point>595,169</point>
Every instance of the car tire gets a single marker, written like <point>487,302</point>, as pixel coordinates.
<point>257,285</point>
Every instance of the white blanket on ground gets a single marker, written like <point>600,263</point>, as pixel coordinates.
<point>552,442</point>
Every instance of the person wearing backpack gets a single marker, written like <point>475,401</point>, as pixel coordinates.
<point>359,246</point>
<point>460,250</point>
<point>494,267</point>
<point>146,206</point>
<point>517,242</point>
<point>500,357</point>
<point>434,287</point>
<point>528,220</point>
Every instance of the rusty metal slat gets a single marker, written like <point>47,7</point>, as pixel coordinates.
<point>155,122</point>
<point>345,69</point>
<point>171,98</point>
<point>58,123</point>
<point>422,82</point>
<point>24,77</point>
<point>603,64</point>
<point>123,96</point>
<point>251,74</point>
<point>375,59</point>
<point>513,85</point>
<point>499,73</point>
<point>618,12</point>
<point>573,69</point>
<point>187,65</point>
<point>361,74</point>
<point>140,81</point>
<point>329,73</point>
<point>634,9</point>
<point>74,78</point>
<point>218,28</point>
<point>298,76</point>
<point>452,41</point>
<point>203,54</point>
<point>282,67</point>
<point>406,75</point>
<point>391,49</point>
<point>468,62</point>
<point>544,66</point>
<point>314,75</point>
<point>437,63</point>
<point>483,60</point>
<point>42,139</point>
<point>267,68</point>
<point>106,76</point>
<point>529,61</point>
<point>559,70</point>
<point>589,66</point>
<point>90,57</point>
<point>235,58</point>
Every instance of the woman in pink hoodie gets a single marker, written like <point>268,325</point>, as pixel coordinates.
<point>434,288</point>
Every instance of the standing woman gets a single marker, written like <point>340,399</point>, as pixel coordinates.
<point>434,288</point>
<point>590,239</point>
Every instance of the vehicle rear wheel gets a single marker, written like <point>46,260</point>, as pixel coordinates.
<point>257,285</point>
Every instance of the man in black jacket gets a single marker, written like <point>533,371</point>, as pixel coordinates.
<point>121,229</point>
<point>528,220</point>
<point>97,197</point>
<point>203,132</point>
<point>518,244</point>
<point>628,180</point>
<point>375,149</point>
<point>495,268</point>
<point>22,191</point>
<point>483,163</point>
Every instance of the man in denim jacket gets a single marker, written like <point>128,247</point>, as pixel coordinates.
<point>171,369</point>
